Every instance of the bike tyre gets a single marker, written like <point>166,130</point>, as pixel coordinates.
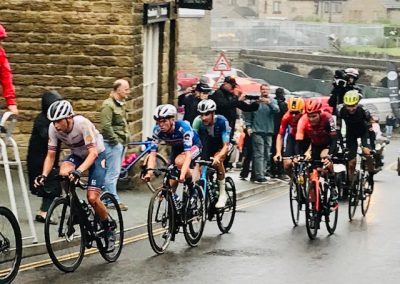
<point>230,207</point>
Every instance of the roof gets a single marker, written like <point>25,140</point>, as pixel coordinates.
<point>391,4</point>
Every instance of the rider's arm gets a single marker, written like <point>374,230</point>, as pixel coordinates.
<point>6,79</point>
<point>90,158</point>
<point>332,133</point>
<point>48,162</point>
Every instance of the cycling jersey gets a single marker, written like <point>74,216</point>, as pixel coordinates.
<point>182,135</point>
<point>288,120</point>
<point>220,129</point>
<point>83,136</point>
<point>323,134</point>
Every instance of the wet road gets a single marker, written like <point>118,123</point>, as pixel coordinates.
<point>263,247</point>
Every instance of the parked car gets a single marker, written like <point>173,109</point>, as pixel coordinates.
<point>379,107</point>
<point>237,73</point>
<point>186,80</point>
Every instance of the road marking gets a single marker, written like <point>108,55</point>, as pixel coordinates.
<point>143,236</point>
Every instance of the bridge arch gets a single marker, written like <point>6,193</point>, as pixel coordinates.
<point>321,73</point>
<point>290,68</point>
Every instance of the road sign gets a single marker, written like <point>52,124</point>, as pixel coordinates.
<point>222,63</point>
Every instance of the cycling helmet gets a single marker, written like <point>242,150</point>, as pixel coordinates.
<point>351,98</point>
<point>59,110</point>
<point>206,106</point>
<point>164,111</point>
<point>313,105</point>
<point>352,72</point>
<point>3,33</point>
<point>295,104</point>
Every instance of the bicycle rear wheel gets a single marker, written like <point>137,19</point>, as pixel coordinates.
<point>10,246</point>
<point>354,195</point>
<point>194,217</point>
<point>312,221</point>
<point>160,220</point>
<point>65,241</point>
<point>366,187</point>
<point>115,218</point>
<point>226,215</point>
<point>156,180</point>
<point>295,205</point>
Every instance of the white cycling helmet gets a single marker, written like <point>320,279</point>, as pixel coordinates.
<point>59,110</point>
<point>352,72</point>
<point>206,106</point>
<point>164,111</point>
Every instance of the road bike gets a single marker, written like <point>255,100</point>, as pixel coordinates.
<point>208,182</point>
<point>10,246</point>
<point>127,171</point>
<point>71,226</point>
<point>363,187</point>
<point>319,206</point>
<point>167,213</point>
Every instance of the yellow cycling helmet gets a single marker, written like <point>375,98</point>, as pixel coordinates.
<point>351,98</point>
<point>295,104</point>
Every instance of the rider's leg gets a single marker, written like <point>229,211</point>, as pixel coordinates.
<point>223,196</point>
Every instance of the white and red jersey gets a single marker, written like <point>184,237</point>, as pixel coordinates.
<point>83,136</point>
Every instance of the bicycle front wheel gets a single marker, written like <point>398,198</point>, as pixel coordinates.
<point>115,219</point>
<point>64,236</point>
<point>156,180</point>
<point>354,196</point>
<point>366,187</point>
<point>194,217</point>
<point>331,216</point>
<point>295,205</point>
<point>226,215</point>
<point>10,246</point>
<point>312,220</point>
<point>160,220</point>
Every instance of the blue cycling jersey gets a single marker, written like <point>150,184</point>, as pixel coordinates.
<point>220,129</point>
<point>183,135</point>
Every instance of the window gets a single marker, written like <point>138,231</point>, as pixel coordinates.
<point>327,7</point>
<point>265,6</point>
<point>276,9</point>
<point>338,7</point>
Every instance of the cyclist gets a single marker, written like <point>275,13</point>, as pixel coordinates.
<point>87,153</point>
<point>289,120</point>
<point>358,124</point>
<point>214,132</point>
<point>185,142</point>
<point>320,128</point>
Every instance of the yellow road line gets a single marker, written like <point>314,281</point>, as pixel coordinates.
<point>133,239</point>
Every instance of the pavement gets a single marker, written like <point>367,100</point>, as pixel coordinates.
<point>137,199</point>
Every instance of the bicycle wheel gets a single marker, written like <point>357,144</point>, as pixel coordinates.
<point>156,180</point>
<point>312,222</point>
<point>10,246</point>
<point>226,215</point>
<point>65,243</point>
<point>115,217</point>
<point>194,216</point>
<point>295,205</point>
<point>331,216</point>
<point>366,189</point>
<point>160,220</point>
<point>354,195</point>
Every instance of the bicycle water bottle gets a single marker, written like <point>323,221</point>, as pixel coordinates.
<point>177,201</point>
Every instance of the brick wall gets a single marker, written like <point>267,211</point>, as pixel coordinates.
<point>78,48</point>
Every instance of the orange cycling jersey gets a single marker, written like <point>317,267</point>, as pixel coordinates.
<point>320,134</point>
<point>291,120</point>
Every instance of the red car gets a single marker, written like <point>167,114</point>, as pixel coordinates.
<point>186,80</point>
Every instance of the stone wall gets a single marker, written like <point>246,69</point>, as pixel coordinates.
<point>79,48</point>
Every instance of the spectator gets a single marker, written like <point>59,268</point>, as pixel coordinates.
<point>260,125</point>
<point>6,76</point>
<point>115,132</point>
<point>191,99</point>
<point>229,97</point>
<point>390,123</point>
<point>247,154</point>
<point>276,167</point>
<point>37,151</point>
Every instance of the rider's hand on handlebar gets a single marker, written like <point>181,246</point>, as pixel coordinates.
<point>74,176</point>
<point>216,161</point>
<point>327,160</point>
<point>40,180</point>
<point>307,155</point>
<point>277,157</point>
<point>366,151</point>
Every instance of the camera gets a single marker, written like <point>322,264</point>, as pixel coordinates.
<point>252,97</point>
<point>340,78</point>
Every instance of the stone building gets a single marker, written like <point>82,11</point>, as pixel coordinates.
<point>80,47</point>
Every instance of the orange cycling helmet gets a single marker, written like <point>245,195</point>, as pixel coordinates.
<point>313,105</point>
<point>295,104</point>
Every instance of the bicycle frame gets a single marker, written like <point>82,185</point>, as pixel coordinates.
<point>147,149</point>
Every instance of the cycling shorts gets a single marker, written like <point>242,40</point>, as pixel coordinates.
<point>97,171</point>
<point>176,151</point>
<point>316,151</point>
